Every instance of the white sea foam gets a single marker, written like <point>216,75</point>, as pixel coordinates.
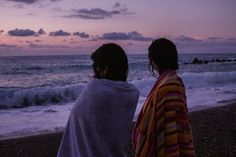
<point>45,88</point>
<point>203,91</point>
<point>208,79</point>
<point>192,80</point>
<point>17,98</point>
<point>33,120</point>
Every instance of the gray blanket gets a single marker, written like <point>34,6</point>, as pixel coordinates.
<point>100,123</point>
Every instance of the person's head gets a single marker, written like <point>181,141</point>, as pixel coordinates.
<point>110,62</point>
<point>163,55</point>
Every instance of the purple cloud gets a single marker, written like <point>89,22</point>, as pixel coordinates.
<point>6,46</point>
<point>210,45</point>
<point>98,13</point>
<point>115,36</point>
<point>37,46</point>
<point>138,36</point>
<point>29,1</point>
<point>117,5</point>
<point>24,1</point>
<point>21,32</point>
<point>94,38</point>
<point>125,36</point>
<point>59,33</point>
<point>187,39</point>
<point>9,49</point>
<point>214,38</point>
<point>37,40</point>
<point>81,34</point>
<point>41,31</point>
<point>122,8</point>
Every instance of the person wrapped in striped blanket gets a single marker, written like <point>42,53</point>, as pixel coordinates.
<point>163,127</point>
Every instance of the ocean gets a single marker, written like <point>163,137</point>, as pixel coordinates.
<point>38,92</point>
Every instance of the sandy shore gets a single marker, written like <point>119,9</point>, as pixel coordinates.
<point>214,132</point>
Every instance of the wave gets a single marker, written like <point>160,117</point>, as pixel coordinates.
<point>206,79</point>
<point>34,68</point>
<point>18,98</point>
<point>45,69</point>
<point>15,73</point>
<point>191,80</point>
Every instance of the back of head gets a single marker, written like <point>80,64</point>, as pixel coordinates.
<point>164,54</point>
<point>112,58</point>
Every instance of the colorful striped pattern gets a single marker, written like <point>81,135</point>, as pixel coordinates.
<point>163,127</point>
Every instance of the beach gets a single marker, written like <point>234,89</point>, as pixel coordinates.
<point>214,132</point>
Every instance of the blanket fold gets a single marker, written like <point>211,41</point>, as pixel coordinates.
<point>100,122</point>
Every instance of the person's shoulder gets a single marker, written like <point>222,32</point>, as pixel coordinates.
<point>173,79</point>
<point>94,82</point>
<point>95,85</point>
<point>171,84</point>
<point>105,84</point>
<point>131,90</point>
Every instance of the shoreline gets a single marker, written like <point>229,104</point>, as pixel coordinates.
<point>55,129</point>
<point>214,133</point>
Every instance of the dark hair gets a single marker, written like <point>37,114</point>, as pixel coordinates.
<point>164,54</point>
<point>112,58</point>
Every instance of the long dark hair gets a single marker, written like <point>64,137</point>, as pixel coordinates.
<point>112,58</point>
<point>164,54</point>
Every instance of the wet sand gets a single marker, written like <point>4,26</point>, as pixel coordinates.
<point>214,132</point>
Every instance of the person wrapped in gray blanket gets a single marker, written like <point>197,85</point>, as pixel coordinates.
<point>100,122</point>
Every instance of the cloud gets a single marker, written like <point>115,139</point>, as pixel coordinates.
<point>218,42</point>
<point>59,33</point>
<point>41,31</point>
<point>210,45</point>
<point>1,31</point>
<point>94,38</point>
<point>122,8</point>
<point>130,44</point>
<point>187,39</point>
<point>37,46</point>
<point>115,36</point>
<point>25,32</point>
<point>21,32</point>
<point>30,1</point>
<point>6,46</point>
<point>137,36</point>
<point>98,13</point>
<point>117,5</point>
<point>24,1</point>
<point>125,36</point>
<point>214,38</point>
<point>81,34</point>
<point>9,49</point>
<point>210,40</point>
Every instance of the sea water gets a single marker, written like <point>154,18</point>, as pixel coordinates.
<point>38,92</point>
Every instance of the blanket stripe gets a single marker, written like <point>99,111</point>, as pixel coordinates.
<point>163,127</point>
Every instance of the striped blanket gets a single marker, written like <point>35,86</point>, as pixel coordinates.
<point>163,126</point>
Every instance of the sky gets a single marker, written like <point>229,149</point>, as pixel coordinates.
<point>66,27</point>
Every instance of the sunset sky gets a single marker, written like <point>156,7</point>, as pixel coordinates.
<point>55,27</point>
